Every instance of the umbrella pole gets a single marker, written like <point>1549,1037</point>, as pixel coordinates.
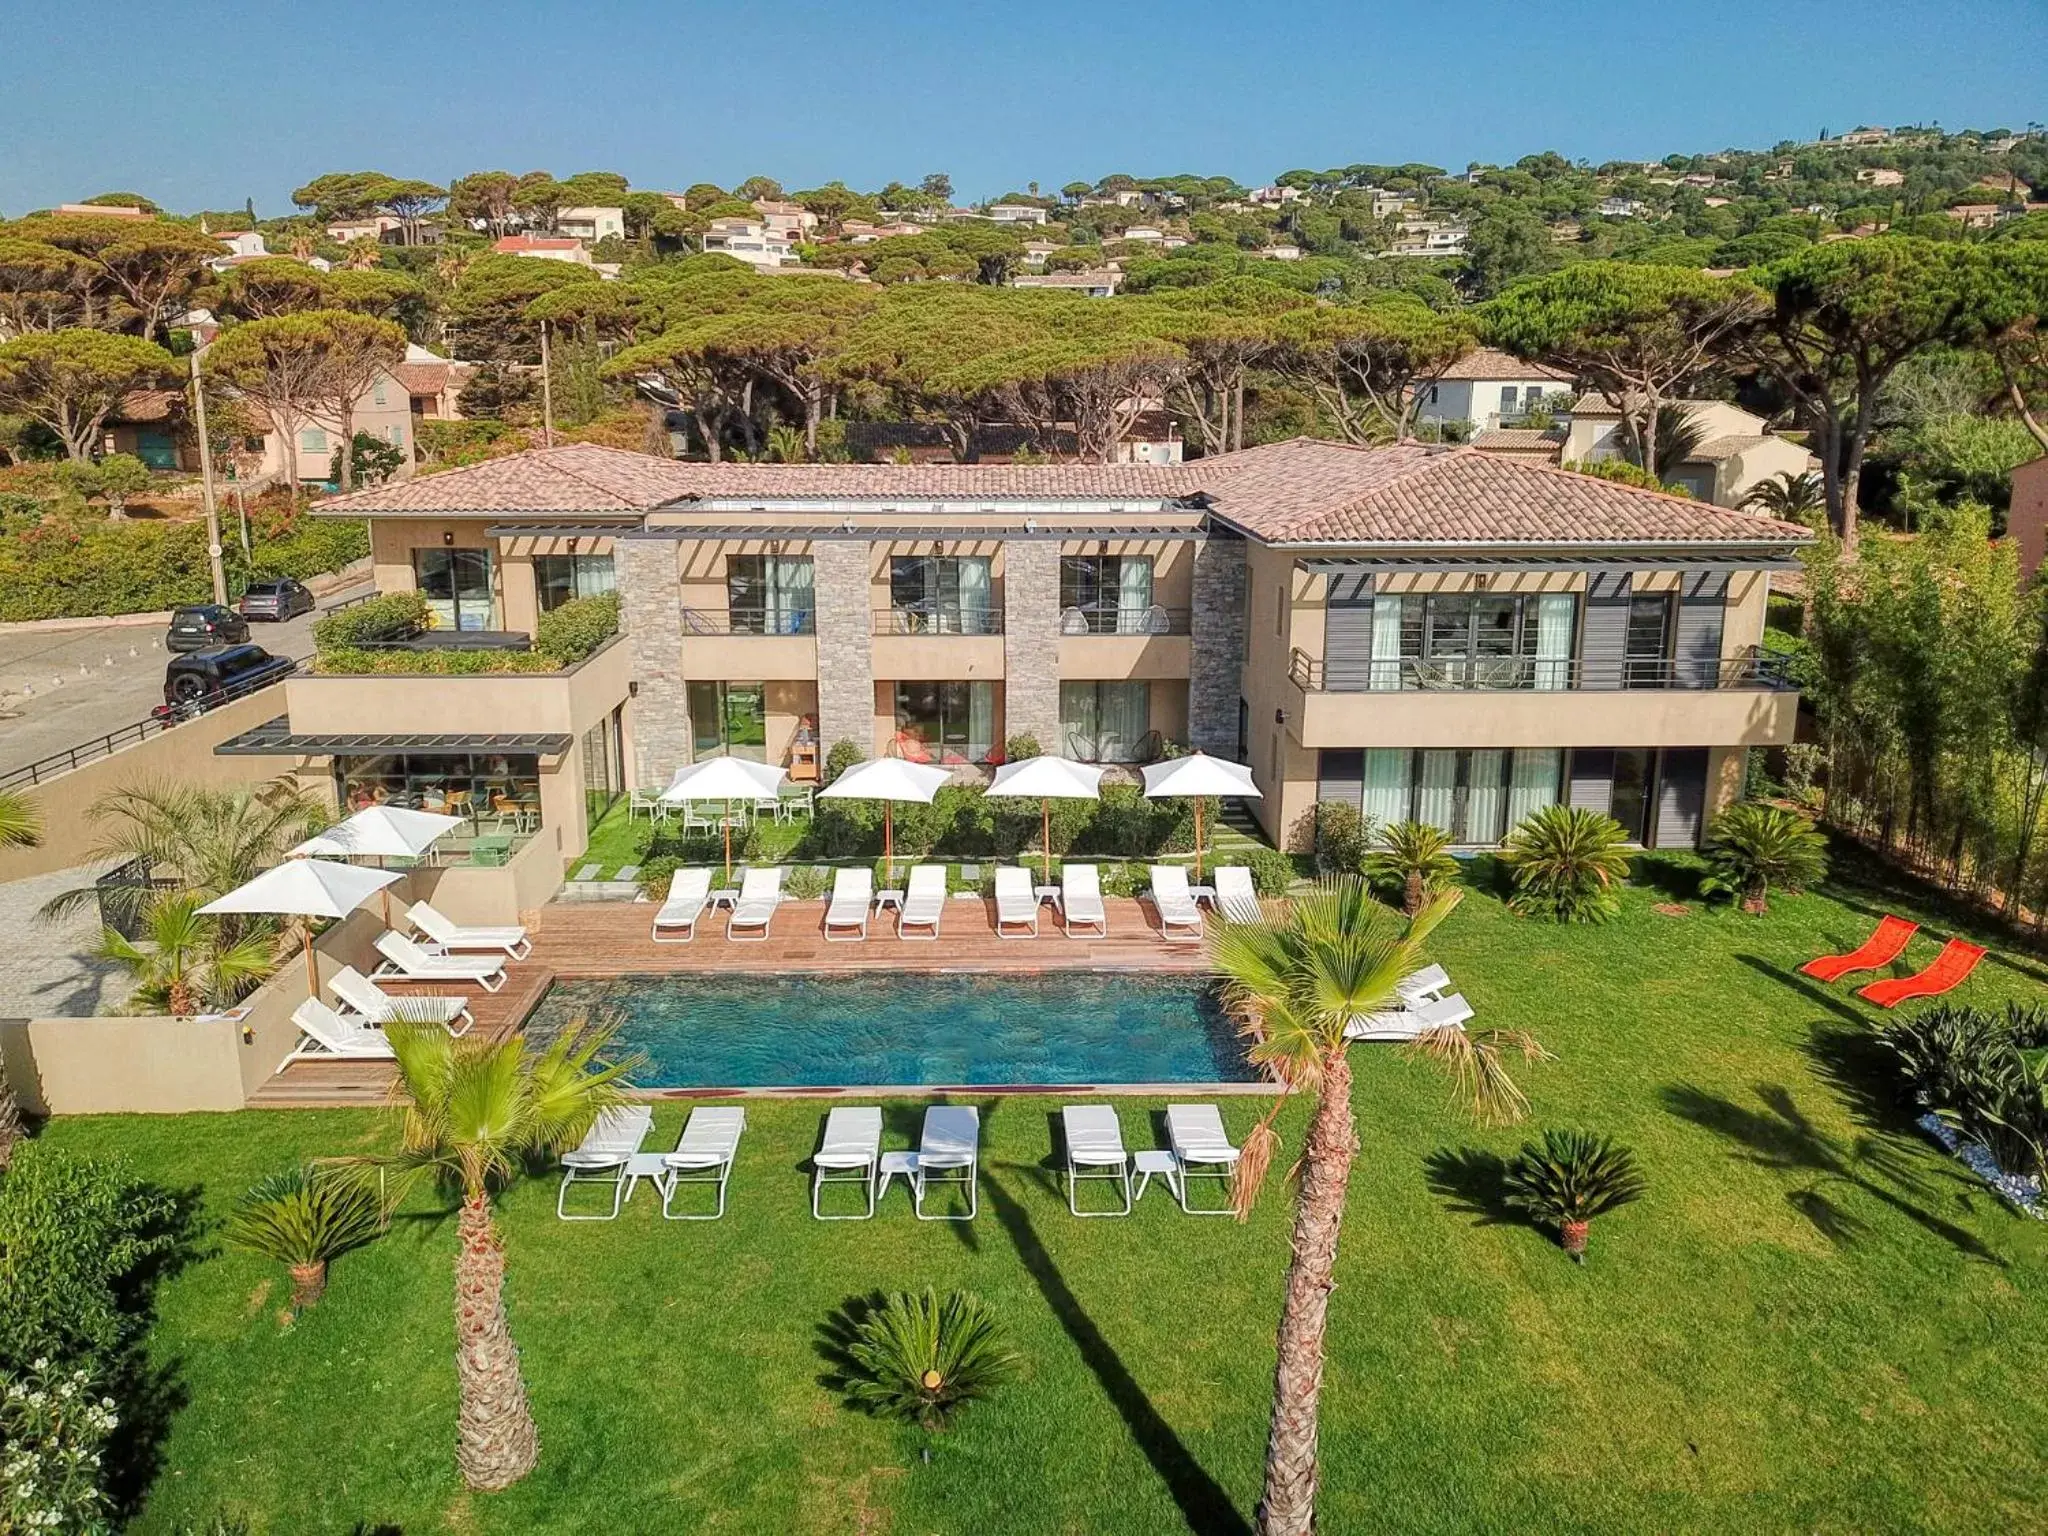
<point>1045,835</point>
<point>312,974</point>
<point>1198,839</point>
<point>888,845</point>
<point>727,819</point>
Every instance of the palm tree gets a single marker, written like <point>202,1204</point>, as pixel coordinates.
<point>184,961</point>
<point>1567,863</point>
<point>1753,847</point>
<point>471,1114</point>
<point>1679,436</point>
<point>21,826</point>
<point>207,840</point>
<point>1411,857</point>
<point>1792,498</point>
<point>1298,982</point>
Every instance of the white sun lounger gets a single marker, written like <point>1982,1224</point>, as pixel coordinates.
<point>1179,917</point>
<point>704,1155</point>
<point>760,895</point>
<point>1016,903</point>
<point>853,897</point>
<point>1095,1150</point>
<point>379,1007</point>
<point>1423,986</point>
<point>603,1155</point>
<point>850,1153</point>
<point>924,903</point>
<point>688,891</point>
<point>1236,895</point>
<point>404,958</point>
<point>951,1143</point>
<point>330,1034</point>
<point>1081,901</point>
<point>1412,1019</point>
<point>450,937</point>
<point>1202,1149</point>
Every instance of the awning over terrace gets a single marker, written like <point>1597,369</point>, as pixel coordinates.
<point>275,738</point>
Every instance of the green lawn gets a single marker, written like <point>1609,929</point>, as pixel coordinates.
<point>1813,1321</point>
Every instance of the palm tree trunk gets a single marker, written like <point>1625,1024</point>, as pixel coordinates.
<point>309,1284</point>
<point>1412,893</point>
<point>496,1443</point>
<point>1288,1505</point>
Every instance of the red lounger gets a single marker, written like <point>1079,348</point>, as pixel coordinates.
<point>1956,960</point>
<point>1880,949</point>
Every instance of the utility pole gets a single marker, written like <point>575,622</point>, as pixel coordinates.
<point>213,550</point>
<point>547,392</point>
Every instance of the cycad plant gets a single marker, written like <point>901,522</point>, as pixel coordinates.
<point>921,1359</point>
<point>186,962</point>
<point>475,1115</point>
<point>1569,1179</point>
<point>1753,847</point>
<point>1567,864</point>
<point>1412,858</point>
<point>304,1218</point>
<point>1299,981</point>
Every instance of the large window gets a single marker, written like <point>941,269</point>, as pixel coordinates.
<point>1648,648</point>
<point>1633,797</point>
<point>771,594</point>
<point>558,578</point>
<point>942,595</point>
<point>1105,594</point>
<point>1477,796</point>
<point>457,586</point>
<point>1473,640</point>
<point>494,790</point>
<point>730,718</point>
<point>1106,722</point>
<point>946,722</point>
<point>604,767</point>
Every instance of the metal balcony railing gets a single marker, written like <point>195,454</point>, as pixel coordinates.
<point>750,621</point>
<point>1154,620</point>
<point>938,621</point>
<point>1502,674</point>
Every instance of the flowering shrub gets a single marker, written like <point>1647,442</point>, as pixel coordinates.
<point>53,1433</point>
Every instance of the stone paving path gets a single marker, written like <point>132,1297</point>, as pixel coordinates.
<point>45,970</point>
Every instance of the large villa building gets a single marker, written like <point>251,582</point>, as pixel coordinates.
<point>1417,631</point>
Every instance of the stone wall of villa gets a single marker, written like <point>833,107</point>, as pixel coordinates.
<point>1217,630</point>
<point>846,669</point>
<point>1031,640</point>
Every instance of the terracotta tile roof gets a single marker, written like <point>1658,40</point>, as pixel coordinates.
<point>1302,491</point>
<point>512,245</point>
<point>1728,446</point>
<point>149,405</point>
<point>1490,363</point>
<point>422,378</point>
<point>1520,440</point>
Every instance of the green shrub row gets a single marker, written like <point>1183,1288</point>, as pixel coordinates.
<point>577,628</point>
<point>64,565</point>
<point>390,616</point>
<point>352,661</point>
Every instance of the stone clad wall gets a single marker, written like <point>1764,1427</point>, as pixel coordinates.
<point>1217,629</point>
<point>1031,640</point>
<point>651,613</point>
<point>846,669</point>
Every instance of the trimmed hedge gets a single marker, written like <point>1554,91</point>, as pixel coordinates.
<point>349,661</point>
<point>577,628</point>
<point>70,563</point>
<point>390,616</point>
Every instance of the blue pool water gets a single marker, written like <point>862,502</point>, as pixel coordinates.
<point>745,1031</point>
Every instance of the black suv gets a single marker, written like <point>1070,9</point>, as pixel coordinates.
<point>199,626</point>
<point>196,683</point>
<point>276,598</point>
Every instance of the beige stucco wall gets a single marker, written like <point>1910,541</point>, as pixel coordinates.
<point>938,658</point>
<point>1644,717</point>
<point>183,755</point>
<point>1114,657</point>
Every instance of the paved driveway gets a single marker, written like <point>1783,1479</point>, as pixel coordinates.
<point>62,687</point>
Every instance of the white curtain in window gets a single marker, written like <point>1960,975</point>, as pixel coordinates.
<point>790,594</point>
<point>1533,784</point>
<point>1436,791</point>
<point>1485,794</point>
<point>1125,711</point>
<point>1386,642</point>
<point>594,575</point>
<point>974,595</point>
<point>1133,594</point>
<point>1077,720</point>
<point>1554,614</point>
<point>981,719</point>
<point>1386,783</point>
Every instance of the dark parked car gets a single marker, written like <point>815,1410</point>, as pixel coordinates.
<point>276,598</point>
<point>196,683</point>
<point>202,625</point>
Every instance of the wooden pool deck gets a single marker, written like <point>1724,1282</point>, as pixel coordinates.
<point>603,939</point>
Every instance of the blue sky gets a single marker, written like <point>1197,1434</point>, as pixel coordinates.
<point>201,103</point>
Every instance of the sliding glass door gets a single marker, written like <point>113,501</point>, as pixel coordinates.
<point>1475,796</point>
<point>457,586</point>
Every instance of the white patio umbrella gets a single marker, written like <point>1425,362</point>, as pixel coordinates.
<point>380,831</point>
<point>1046,779</point>
<point>1196,777</point>
<point>306,888</point>
<point>888,779</point>
<point>724,778</point>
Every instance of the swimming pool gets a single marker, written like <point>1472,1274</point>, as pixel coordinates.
<point>796,1031</point>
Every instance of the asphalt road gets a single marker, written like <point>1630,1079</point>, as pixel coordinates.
<point>59,688</point>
